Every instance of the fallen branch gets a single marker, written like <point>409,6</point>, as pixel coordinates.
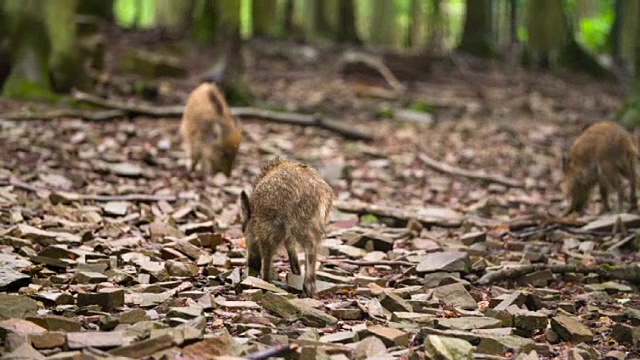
<point>395,213</point>
<point>629,273</point>
<point>65,113</point>
<point>475,175</point>
<point>275,351</point>
<point>370,263</point>
<point>274,116</point>
<point>341,128</point>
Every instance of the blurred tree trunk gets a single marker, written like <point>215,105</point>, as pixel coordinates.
<point>206,20</point>
<point>289,16</point>
<point>552,42</point>
<point>547,29</point>
<point>477,34</point>
<point>383,22</point>
<point>5,63</point>
<point>586,9</point>
<point>320,20</point>
<point>228,71</point>
<point>629,115</point>
<point>263,13</point>
<point>436,26</point>
<point>29,77</point>
<point>346,30</point>
<point>99,8</point>
<point>414,29</point>
<point>513,21</point>
<point>615,34</point>
<point>173,15</point>
<point>629,29</point>
<point>63,63</point>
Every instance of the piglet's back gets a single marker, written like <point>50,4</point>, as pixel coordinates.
<point>292,192</point>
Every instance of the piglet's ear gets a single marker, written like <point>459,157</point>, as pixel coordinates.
<point>245,206</point>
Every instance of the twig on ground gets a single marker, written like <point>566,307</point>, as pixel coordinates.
<point>275,351</point>
<point>475,175</point>
<point>629,273</point>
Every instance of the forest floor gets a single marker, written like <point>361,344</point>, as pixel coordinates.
<point>165,276</point>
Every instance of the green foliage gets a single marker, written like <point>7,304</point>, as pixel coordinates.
<point>369,218</point>
<point>607,267</point>
<point>385,113</point>
<point>594,31</point>
<point>135,13</point>
<point>422,107</point>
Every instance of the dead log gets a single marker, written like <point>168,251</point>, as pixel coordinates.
<point>470,174</point>
<point>629,273</point>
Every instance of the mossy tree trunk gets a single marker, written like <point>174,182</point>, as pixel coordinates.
<point>346,31</point>
<point>477,35</point>
<point>60,20</point>
<point>414,29</point>
<point>206,20</point>
<point>383,22</point>
<point>173,15</point>
<point>629,27</point>
<point>263,13</point>
<point>436,26</point>
<point>629,115</point>
<point>29,77</point>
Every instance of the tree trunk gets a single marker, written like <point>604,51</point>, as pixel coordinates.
<point>206,21</point>
<point>414,29</point>
<point>29,77</point>
<point>99,8</point>
<point>5,63</point>
<point>321,24</point>
<point>64,63</point>
<point>436,23</point>
<point>346,31</point>
<point>173,15</point>
<point>616,32</point>
<point>586,9</point>
<point>629,28</point>
<point>263,13</point>
<point>513,21</point>
<point>383,22</point>
<point>230,67</point>
<point>629,115</point>
<point>289,16</point>
<point>476,36</point>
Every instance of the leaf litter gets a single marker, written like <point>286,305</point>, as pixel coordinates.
<point>110,249</point>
